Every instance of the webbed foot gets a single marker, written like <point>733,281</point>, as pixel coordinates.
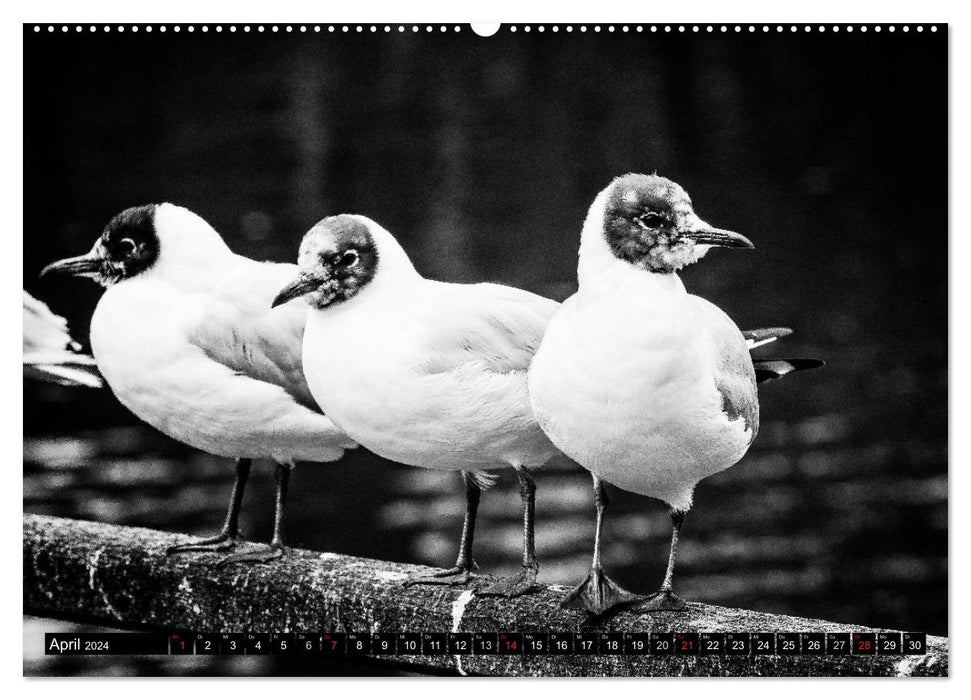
<point>598,594</point>
<point>514,586</point>
<point>456,576</point>
<point>261,554</point>
<point>223,542</point>
<point>662,600</point>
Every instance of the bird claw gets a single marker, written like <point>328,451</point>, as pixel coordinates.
<point>598,594</point>
<point>514,586</point>
<point>219,543</point>
<point>661,600</point>
<point>259,555</point>
<point>456,576</point>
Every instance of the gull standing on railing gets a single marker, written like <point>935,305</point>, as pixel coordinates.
<point>426,373</point>
<point>648,387</point>
<point>185,338</point>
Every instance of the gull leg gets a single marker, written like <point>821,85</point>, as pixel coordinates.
<point>262,554</point>
<point>461,573</point>
<point>526,579</point>
<point>226,539</point>
<point>665,598</point>
<point>598,594</point>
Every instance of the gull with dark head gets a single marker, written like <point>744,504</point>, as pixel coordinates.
<point>186,340</point>
<point>648,387</point>
<point>425,373</point>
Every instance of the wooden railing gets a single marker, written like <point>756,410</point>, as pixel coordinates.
<point>121,577</point>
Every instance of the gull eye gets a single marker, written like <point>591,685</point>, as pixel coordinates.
<point>347,259</point>
<point>126,246</point>
<point>651,220</point>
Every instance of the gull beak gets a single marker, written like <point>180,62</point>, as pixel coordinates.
<point>705,234</point>
<point>82,266</point>
<point>304,284</point>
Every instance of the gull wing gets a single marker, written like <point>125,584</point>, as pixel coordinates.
<point>489,325</point>
<point>238,329</point>
<point>734,372</point>
<point>49,352</point>
<point>767,370</point>
<point>763,336</point>
<point>65,368</point>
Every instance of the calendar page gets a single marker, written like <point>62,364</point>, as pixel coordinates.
<point>518,349</point>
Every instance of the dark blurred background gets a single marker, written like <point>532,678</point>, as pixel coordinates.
<point>482,156</point>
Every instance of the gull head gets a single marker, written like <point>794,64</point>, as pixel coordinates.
<point>133,242</point>
<point>649,222</point>
<point>338,258</point>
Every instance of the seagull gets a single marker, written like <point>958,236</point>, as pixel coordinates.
<point>424,373</point>
<point>646,386</point>
<point>186,340</point>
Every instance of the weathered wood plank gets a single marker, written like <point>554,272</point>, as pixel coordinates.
<point>121,576</point>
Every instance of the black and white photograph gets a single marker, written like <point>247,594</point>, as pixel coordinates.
<point>523,350</point>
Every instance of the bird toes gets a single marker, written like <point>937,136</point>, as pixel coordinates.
<point>514,586</point>
<point>456,576</point>
<point>599,595</point>
<point>261,555</point>
<point>662,600</point>
<point>219,543</point>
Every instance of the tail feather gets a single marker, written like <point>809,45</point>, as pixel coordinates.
<point>49,352</point>
<point>767,370</point>
<point>763,336</point>
<point>69,374</point>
